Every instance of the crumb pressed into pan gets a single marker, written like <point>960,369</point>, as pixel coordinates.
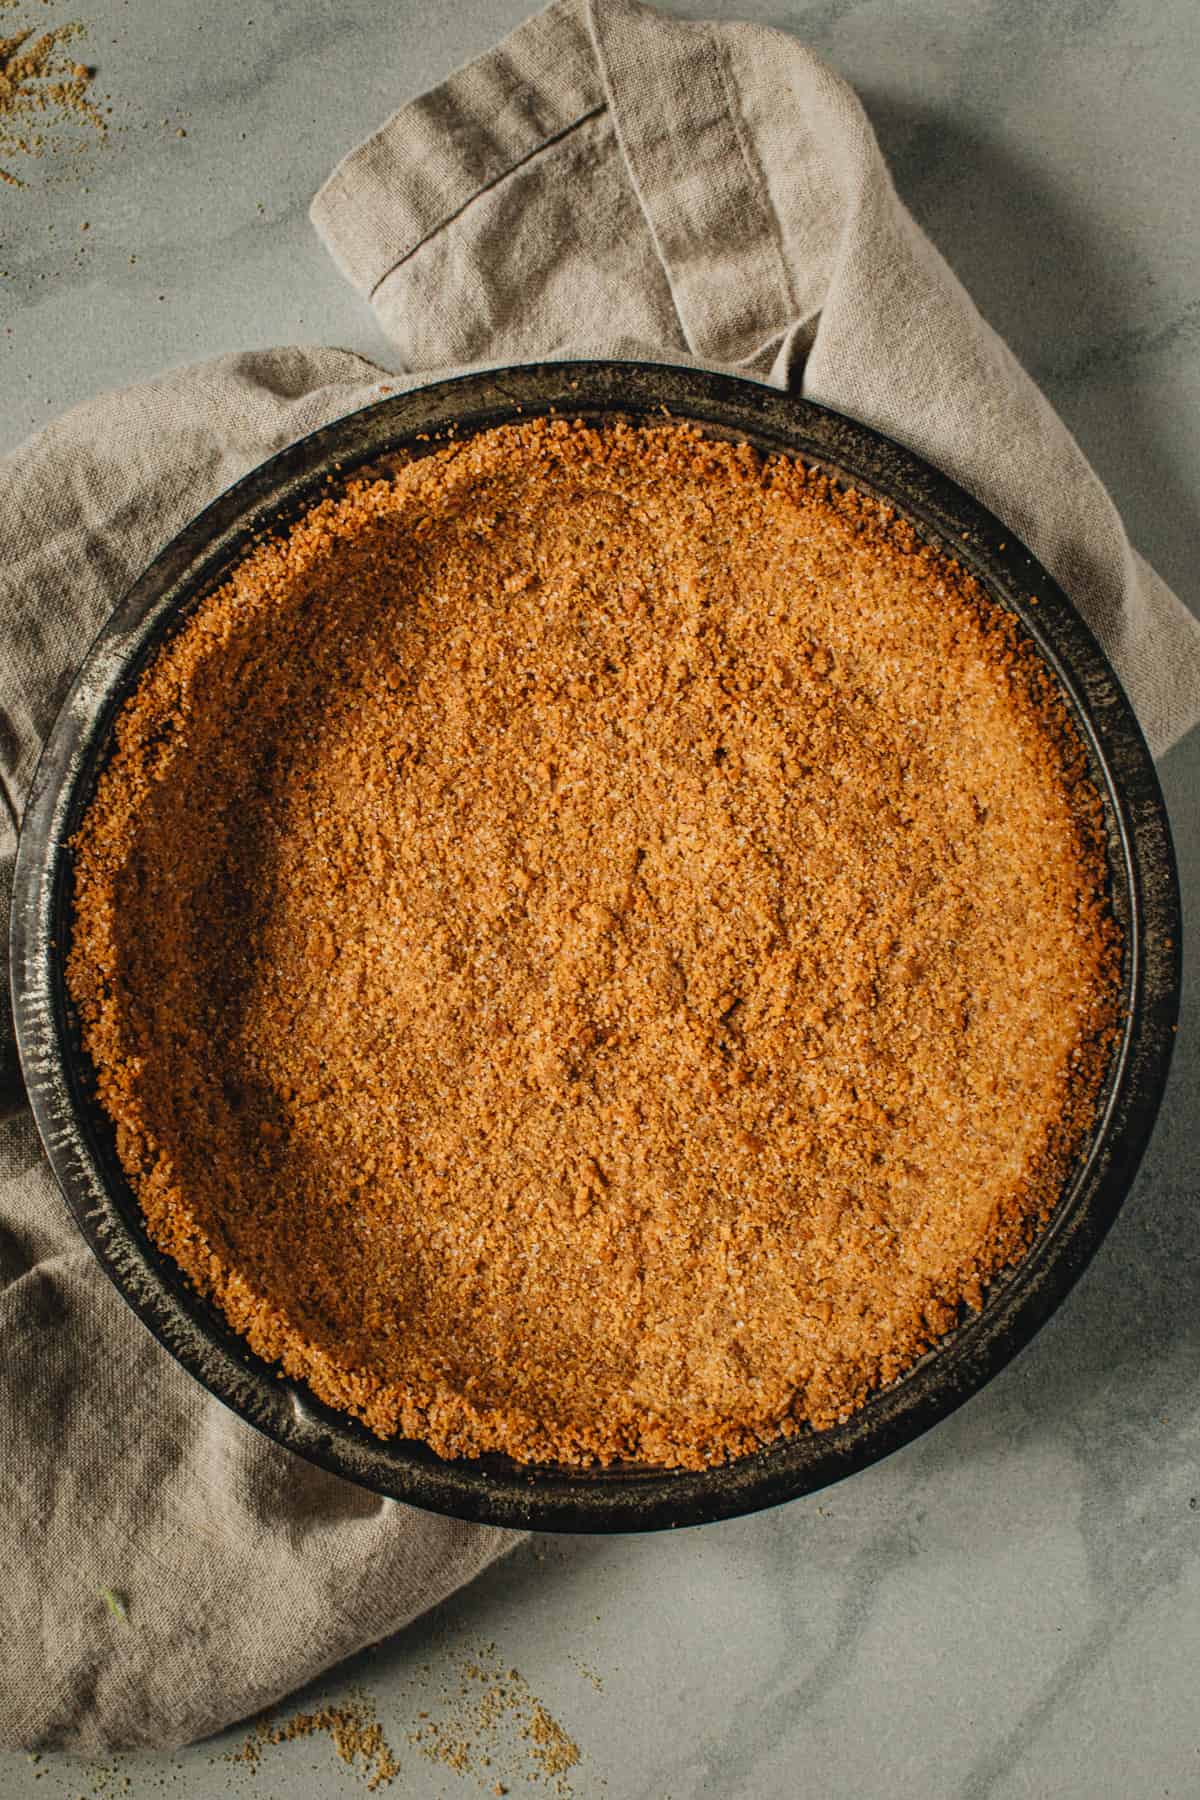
<point>594,946</point>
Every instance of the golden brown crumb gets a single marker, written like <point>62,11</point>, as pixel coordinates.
<point>595,946</point>
<point>352,1728</point>
<point>500,1720</point>
<point>43,93</point>
<point>553,1751</point>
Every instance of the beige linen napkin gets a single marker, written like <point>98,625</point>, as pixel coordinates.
<point>606,182</point>
<point>616,183</point>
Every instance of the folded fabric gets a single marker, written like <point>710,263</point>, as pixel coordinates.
<point>613,183</point>
<point>607,182</point>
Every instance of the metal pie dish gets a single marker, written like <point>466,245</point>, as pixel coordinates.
<point>79,1138</point>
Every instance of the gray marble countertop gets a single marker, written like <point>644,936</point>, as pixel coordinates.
<point>1011,1606</point>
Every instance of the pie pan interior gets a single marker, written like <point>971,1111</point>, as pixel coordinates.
<point>78,1137</point>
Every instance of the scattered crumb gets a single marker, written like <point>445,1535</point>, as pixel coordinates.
<point>495,1720</point>
<point>554,1751</point>
<point>46,108</point>
<point>351,1726</point>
